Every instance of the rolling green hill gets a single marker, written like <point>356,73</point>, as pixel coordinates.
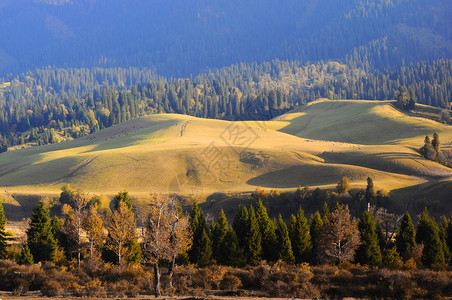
<point>313,145</point>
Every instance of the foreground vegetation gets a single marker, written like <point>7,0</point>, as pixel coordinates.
<point>94,252</point>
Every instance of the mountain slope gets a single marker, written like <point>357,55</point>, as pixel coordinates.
<point>176,153</point>
<point>179,38</point>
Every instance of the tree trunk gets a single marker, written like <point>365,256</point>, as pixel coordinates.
<point>171,271</point>
<point>156,280</point>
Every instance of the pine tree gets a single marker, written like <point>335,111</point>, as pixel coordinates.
<point>428,233</point>
<point>368,252</point>
<point>229,251</point>
<point>253,247</point>
<point>300,237</point>
<point>201,240</point>
<point>443,237</point>
<point>124,197</point>
<point>240,225</point>
<point>205,248</point>
<point>3,245</point>
<point>26,258</point>
<point>267,231</point>
<point>436,143</point>
<point>40,238</point>
<point>284,244</point>
<point>218,232</point>
<point>405,238</point>
<point>315,232</point>
<point>370,193</point>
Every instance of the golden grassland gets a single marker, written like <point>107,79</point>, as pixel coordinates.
<point>315,145</point>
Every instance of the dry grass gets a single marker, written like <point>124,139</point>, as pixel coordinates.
<point>314,145</point>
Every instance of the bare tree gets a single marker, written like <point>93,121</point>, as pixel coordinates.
<point>389,223</point>
<point>121,230</point>
<point>166,236</point>
<point>93,226</point>
<point>73,226</point>
<point>339,237</point>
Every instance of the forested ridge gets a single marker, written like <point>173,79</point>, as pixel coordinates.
<point>50,105</point>
<point>180,38</point>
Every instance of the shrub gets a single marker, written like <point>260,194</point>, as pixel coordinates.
<point>230,282</point>
<point>51,288</point>
<point>94,289</point>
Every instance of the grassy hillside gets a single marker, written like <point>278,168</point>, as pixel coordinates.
<point>314,145</point>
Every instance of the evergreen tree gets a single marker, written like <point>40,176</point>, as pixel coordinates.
<point>40,238</point>
<point>443,237</point>
<point>218,232</point>
<point>267,231</point>
<point>370,193</point>
<point>205,248</point>
<point>315,232</point>
<point>449,236</point>
<point>229,251</point>
<point>325,212</point>
<point>300,237</point>
<point>436,143</point>
<point>284,244</point>
<point>428,233</point>
<point>3,245</point>
<point>405,238</point>
<point>124,197</point>
<point>26,258</point>
<point>240,225</point>
<point>201,242</point>
<point>253,246</point>
<point>368,252</point>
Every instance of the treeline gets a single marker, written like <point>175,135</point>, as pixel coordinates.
<point>369,34</point>
<point>90,236</point>
<point>76,102</point>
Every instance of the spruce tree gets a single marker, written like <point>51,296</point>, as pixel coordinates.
<point>205,248</point>
<point>449,236</point>
<point>229,252</point>
<point>284,244</point>
<point>436,143</point>
<point>368,252</point>
<point>3,245</point>
<point>40,238</point>
<point>325,212</point>
<point>26,258</point>
<point>428,233</point>
<point>443,237</point>
<point>300,237</point>
<point>405,238</point>
<point>267,231</point>
<point>315,231</point>
<point>253,248</point>
<point>122,196</point>
<point>240,225</point>
<point>201,240</point>
<point>218,232</point>
<point>370,192</point>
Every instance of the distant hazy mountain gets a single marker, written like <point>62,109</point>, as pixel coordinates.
<point>183,37</point>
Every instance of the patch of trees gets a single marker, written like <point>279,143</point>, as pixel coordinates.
<point>432,151</point>
<point>77,256</point>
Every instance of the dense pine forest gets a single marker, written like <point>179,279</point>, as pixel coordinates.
<point>50,105</point>
<point>180,38</point>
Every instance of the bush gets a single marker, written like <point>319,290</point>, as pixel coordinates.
<point>94,289</point>
<point>230,282</point>
<point>51,288</point>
